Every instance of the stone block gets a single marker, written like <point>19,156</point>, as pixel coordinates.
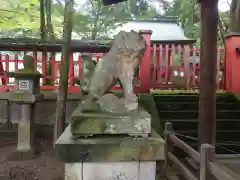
<point>26,80</point>
<point>22,155</point>
<point>109,148</point>
<point>22,97</point>
<point>93,123</point>
<point>73,171</point>
<point>132,170</point>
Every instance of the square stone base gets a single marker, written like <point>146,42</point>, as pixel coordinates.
<point>93,123</point>
<point>132,170</point>
<point>109,148</point>
<point>22,155</point>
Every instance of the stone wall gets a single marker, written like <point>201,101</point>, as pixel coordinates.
<point>45,110</point>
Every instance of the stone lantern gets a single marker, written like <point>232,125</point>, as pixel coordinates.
<point>26,94</point>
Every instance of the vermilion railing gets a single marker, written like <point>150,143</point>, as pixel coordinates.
<point>177,66</point>
<point>172,66</point>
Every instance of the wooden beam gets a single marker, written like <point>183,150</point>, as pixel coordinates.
<point>208,61</point>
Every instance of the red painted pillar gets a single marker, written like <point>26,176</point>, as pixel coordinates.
<point>145,65</point>
<point>232,63</point>
<point>2,72</point>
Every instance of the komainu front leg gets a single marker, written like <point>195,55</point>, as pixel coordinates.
<point>131,101</point>
<point>99,85</point>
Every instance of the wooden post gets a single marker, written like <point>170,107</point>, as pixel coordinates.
<point>208,61</point>
<point>207,155</point>
<point>187,66</point>
<point>167,131</point>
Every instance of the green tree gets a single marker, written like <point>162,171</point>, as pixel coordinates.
<point>99,21</point>
<point>234,16</point>
<point>93,20</point>
<point>188,12</point>
<point>21,18</point>
<point>63,87</point>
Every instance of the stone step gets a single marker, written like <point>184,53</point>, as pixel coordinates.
<point>189,124</point>
<point>191,98</point>
<point>172,106</point>
<point>193,114</point>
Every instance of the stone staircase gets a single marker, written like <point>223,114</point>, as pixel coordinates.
<point>182,111</point>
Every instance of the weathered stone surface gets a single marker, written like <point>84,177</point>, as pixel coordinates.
<point>26,135</point>
<point>135,124</point>
<point>31,85</point>
<point>26,94</point>
<point>44,114</point>
<point>88,67</point>
<point>22,155</point>
<point>132,170</point>
<point>111,103</point>
<point>147,102</point>
<point>120,64</point>
<point>109,148</point>
<point>24,73</point>
<point>22,97</point>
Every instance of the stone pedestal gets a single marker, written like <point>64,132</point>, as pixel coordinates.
<point>141,170</point>
<point>109,157</point>
<point>25,128</point>
<point>111,138</point>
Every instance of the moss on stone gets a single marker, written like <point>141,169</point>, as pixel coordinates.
<point>24,73</point>
<point>28,71</point>
<point>80,125</point>
<point>147,102</point>
<point>237,96</point>
<point>17,95</point>
<point>184,91</point>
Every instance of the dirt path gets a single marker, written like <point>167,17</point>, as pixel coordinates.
<point>44,167</point>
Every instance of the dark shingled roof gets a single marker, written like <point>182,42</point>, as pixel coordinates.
<point>165,29</point>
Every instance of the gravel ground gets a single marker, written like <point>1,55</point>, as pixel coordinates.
<point>44,167</point>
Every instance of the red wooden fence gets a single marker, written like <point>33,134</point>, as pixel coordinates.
<point>172,66</point>
<point>176,66</point>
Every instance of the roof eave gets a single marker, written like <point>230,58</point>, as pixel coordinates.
<point>182,41</point>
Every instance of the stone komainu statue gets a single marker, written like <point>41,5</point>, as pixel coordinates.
<point>118,64</point>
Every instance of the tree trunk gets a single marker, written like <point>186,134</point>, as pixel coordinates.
<point>63,84</point>
<point>222,29</point>
<point>48,6</point>
<point>42,19</point>
<point>235,16</point>
<point>96,19</point>
<point>51,36</point>
<point>208,61</point>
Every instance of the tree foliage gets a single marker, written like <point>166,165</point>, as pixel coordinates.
<point>92,20</point>
<point>20,18</point>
